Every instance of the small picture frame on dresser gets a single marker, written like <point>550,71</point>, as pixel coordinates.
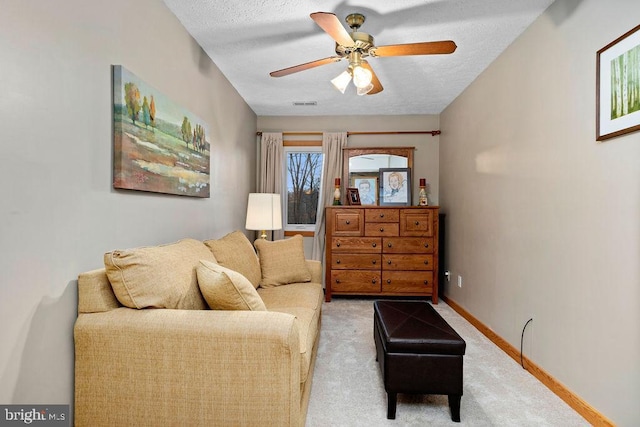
<point>395,186</point>
<point>353,197</point>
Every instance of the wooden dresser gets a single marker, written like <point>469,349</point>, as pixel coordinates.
<point>379,250</point>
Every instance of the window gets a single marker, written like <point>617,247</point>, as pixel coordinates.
<point>303,169</point>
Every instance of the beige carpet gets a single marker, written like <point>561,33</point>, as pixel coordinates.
<point>348,390</point>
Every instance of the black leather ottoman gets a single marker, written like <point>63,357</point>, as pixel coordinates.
<point>418,352</point>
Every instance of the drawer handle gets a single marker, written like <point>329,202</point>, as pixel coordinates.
<point>338,262</point>
<point>338,244</point>
<point>337,280</point>
<point>389,245</point>
<point>426,282</point>
<point>374,244</point>
<point>389,281</point>
<point>417,222</point>
<point>389,262</point>
<point>426,262</point>
<point>374,262</point>
<point>381,215</point>
<point>381,229</point>
<point>426,245</point>
<point>373,281</point>
<point>348,222</point>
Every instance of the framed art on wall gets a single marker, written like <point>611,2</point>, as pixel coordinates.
<point>158,146</point>
<point>395,186</point>
<point>618,86</point>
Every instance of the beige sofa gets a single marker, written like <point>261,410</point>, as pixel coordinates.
<point>156,342</point>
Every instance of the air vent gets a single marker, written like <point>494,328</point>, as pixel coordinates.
<point>305,104</point>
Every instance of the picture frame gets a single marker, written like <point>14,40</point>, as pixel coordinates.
<point>618,86</point>
<point>395,186</point>
<point>367,186</point>
<point>353,197</point>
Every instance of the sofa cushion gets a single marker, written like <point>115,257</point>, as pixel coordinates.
<point>226,289</point>
<point>158,276</point>
<point>235,251</point>
<point>282,261</point>
<point>306,295</point>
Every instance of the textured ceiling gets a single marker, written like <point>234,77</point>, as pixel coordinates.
<point>249,39</point>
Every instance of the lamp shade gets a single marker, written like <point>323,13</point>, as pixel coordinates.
<point>264,212</point>
<point>342,81</point>
<point>362,77</point>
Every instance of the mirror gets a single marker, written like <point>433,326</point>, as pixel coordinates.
<point>364,163</point>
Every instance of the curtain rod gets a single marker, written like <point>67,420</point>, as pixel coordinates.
<point>409,132</point>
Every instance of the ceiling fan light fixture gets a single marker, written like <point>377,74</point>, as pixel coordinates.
<point>364,90</point>
<point>361,77</point>
<point>342,81</point>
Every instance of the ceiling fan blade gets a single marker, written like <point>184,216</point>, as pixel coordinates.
<point>377,87</point>
<point>305,66</point>
<point>332,26</point>
<point>424,48</point>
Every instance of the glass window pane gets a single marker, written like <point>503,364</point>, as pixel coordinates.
<point>304,178</point>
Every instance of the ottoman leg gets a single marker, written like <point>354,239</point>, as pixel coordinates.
<point>454,405</point>
<point>391,405</point>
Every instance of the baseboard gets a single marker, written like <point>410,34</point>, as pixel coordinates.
<point>580,406</point>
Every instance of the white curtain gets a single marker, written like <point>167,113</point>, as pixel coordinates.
<point>271,171</point>
<point>332,145</point>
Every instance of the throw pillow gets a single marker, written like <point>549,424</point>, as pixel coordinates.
<point>158,276</point>
<point>226,289</point>
<point>235,251</point>
<point>282,261</point>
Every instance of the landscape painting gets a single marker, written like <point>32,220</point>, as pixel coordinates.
<point>158,146</point>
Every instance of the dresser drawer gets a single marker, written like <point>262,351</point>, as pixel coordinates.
<point>355,281</point>
<point>382,215</point>
<point>416,223</point>
<point>407,262</point>
<point>407,282</point>
<point>381,229</point>
<point>413,245</point>
<point>348,222</point>
<point>356,244</point>
<point>355,261</point>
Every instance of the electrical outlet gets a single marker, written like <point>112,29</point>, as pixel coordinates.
<point>459,281</point>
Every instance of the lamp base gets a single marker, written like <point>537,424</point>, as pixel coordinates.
<point>263,234</point>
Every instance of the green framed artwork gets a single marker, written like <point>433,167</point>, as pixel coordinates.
<point>158,146</point>
<point>618,86</point>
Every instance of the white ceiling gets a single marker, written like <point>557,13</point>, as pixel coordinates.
<point>249,39</point>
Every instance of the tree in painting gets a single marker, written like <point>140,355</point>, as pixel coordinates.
<point>132,99</point>
<point>625,83</point>
<point>186,130</point>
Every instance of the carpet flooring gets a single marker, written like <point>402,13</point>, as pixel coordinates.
<point>348,390</point>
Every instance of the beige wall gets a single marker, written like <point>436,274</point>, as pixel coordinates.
<point>59,213</point>
<point>542,221</point>
<point>427,146</point>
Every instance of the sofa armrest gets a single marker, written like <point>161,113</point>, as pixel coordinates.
<point>184,366</point>
<point>315,267</point>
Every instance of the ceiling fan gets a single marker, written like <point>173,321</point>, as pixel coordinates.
<point>355,46</point>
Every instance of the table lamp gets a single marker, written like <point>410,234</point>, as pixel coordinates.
<point>264,213</point>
